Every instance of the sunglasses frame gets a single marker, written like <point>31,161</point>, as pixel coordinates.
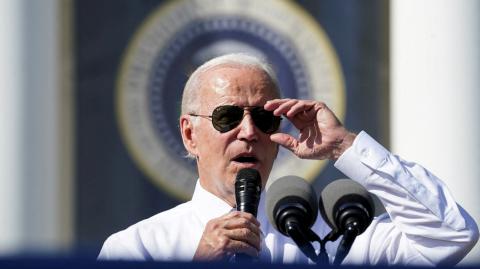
<point>254,110</point>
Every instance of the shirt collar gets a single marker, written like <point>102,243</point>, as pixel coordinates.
<point>207,205</point>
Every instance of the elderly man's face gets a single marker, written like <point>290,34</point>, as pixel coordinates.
<point>222,155</point>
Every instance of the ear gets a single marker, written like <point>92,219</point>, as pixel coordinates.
<point>188,134</point>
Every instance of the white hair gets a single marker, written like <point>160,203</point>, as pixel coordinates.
<point>190,100</point>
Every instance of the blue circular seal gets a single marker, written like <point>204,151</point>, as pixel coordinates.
<point>180,36</point>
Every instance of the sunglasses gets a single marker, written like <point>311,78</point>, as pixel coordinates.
<point>227,117</point>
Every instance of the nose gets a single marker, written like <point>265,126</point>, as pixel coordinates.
<point>248,131</point>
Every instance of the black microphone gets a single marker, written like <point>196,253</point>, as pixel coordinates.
<point>248,186</point>
<point>292,209</point>
<point>348,208</point>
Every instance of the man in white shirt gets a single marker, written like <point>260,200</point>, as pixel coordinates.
<point>230,118</point>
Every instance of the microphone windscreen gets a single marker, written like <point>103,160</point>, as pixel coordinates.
<point>290,187</point>
<point>338,192</point>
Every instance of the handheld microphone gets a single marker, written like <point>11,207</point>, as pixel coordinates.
<point>292,209</point>
<point>248,186</point>
<point>348,209</point>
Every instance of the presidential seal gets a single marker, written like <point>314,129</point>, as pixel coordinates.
<point>179,36</point>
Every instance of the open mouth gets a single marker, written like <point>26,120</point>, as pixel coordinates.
<point>246,159</point>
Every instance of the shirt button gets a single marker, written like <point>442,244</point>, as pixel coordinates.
<point>365,153</point>
<point>416,188</point>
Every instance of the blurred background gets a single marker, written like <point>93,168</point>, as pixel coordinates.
<point>79,77</point>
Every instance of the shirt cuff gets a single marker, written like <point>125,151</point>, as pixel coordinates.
<point>360,159</point>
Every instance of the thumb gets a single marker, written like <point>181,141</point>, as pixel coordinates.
<point>285,140</point>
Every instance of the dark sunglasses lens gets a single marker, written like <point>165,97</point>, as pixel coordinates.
<point>265,120</point>
<point>226,118</point>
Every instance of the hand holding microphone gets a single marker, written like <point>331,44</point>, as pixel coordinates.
<point>248,186</point>
<point>238,232</point>
<point>292,209</point>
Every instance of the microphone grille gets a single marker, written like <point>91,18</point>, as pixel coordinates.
<point>248,174</point>
<point>337,190</point>
<point>290,186</point>
<point>248,185</point>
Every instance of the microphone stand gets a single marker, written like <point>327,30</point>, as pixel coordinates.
<point>303,241</point>
<point>304,237</point>
<point>349,235</point>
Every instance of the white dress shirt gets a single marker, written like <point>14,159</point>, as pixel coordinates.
<point>422,225</point>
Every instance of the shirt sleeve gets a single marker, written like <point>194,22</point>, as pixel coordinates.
<point>124,245</point>
<point>424,225</point>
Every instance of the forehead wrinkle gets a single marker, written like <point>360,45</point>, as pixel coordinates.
<point>220,84</point>
<point>262,86</point>
<point>233,88</point>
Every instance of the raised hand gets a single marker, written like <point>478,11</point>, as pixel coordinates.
<point>322,135</point>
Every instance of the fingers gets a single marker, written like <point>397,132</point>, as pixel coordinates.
<point>242,222</point>
<point>291,107</point>
<point>236,246</point>
<point>245,236</point>
<point>284,107</point>
<point>235,232</point>
<point>320,131</point>
<point>238,215</point>
<point>243,227</point>
<point>285,140</point>
<point>306,107</point>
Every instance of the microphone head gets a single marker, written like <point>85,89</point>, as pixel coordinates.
<point>291,194</point>
<point>344,198</point>
<point>248,186</point>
